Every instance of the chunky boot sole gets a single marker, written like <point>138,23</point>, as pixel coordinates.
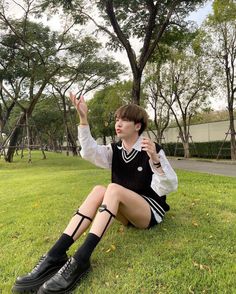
<point>32,287</point>
<point>68,290</point>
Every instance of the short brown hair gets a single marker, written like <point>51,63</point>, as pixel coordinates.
<point>135,113</point>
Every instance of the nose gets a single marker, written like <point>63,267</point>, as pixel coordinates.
<point>118,123</point>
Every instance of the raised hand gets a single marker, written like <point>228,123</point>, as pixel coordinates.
<point>81,107</point>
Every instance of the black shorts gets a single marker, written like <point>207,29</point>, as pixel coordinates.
<point>157,212</point>
<point>153,221</point>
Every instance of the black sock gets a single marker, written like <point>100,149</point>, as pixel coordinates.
<point>61,246</point>
<point>86,249</point>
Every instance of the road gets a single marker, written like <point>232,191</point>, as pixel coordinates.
<point>217,168</point>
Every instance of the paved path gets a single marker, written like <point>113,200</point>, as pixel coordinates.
<point>217,168</point>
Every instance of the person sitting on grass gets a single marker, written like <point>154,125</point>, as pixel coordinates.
<point>141,177</point>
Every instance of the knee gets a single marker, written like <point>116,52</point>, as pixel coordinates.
<point>97,194</point>
<point>99,189</point>
<point>114,190</point>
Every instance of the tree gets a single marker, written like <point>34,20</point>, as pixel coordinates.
<point>47,123</point>
<point>183,84</point>
<point>37,55</point>
<point>32,61</point>
<point>147,21</point>
<point>221,33</point>
<point>160,109</point>
<point>94,73</point>
<point>102,108</point>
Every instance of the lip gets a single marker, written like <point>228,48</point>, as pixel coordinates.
<point>118,130</point>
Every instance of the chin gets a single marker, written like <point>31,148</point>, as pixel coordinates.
<point>120,136</point>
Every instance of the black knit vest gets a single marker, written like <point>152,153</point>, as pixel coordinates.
<point>133,172</point>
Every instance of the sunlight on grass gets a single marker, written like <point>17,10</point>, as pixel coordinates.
<point>192,251</point>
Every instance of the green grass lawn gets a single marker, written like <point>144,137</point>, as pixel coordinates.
<point>192,251</point>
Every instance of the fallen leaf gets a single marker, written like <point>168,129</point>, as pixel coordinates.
<point>202,266</point>
<point>121,229</point>
<point>113,247</point>
<point>190,290</point>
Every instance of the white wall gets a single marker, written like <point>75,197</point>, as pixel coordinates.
<point>214,131</point>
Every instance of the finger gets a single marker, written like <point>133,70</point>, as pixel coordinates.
<point>73,98</point>
<point>145,139</point>
<point>82,98</point>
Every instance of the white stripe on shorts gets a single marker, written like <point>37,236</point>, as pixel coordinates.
<point>155,206</point>
<point>157,210</point>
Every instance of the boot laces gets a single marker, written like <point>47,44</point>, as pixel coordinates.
<point>67,269</point>
<point>42,258</point>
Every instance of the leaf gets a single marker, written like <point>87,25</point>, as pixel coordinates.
<point>36,205</point>
<point>202,266</point>
<point>113,247</point>
<point>121,229</point>
<point>190,289</point>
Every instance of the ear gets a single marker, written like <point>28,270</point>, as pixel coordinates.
<point>138,126</point>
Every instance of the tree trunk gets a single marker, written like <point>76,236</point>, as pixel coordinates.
<point>136,88</point>
<point>232,135</point>
<point>14,138</point>
<point>104,140</point>
<point>186,150</point>
<point>185,141</point>
<point>72,142</point>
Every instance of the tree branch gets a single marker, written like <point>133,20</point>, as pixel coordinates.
<point>148,50</point>
<point>124,41</point>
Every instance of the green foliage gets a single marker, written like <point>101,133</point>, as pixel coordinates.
<point>223,11</point>
<point>200,149</point>
<point>30,52</point>
<point>103,105</point>
<point>179,38</point>
<point>210,116</point>
<point>47,121</point>
<point>184,254</point>
<point>133,16</point>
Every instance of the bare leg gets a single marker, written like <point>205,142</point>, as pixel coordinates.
<point>131,207</point>
<point>88,208</point>
<point>128,205</point>
<point>116,199</point>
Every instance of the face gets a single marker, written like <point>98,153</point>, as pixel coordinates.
<point>125,128</point>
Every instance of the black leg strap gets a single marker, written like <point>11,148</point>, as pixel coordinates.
<point>103,208</point>
<point>84,216</point>
<point>80,222</point>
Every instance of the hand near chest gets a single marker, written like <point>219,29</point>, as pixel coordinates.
<point>149,146</point>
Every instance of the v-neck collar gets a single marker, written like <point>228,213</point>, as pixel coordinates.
<point>127,157</point>
<point>136,146</point>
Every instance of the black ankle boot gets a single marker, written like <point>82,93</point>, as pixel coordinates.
<point>66,279</point>
<point>45,269</point>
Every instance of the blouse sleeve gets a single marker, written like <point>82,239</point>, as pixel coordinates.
<point>165,182</point>
<point>100,155</point>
